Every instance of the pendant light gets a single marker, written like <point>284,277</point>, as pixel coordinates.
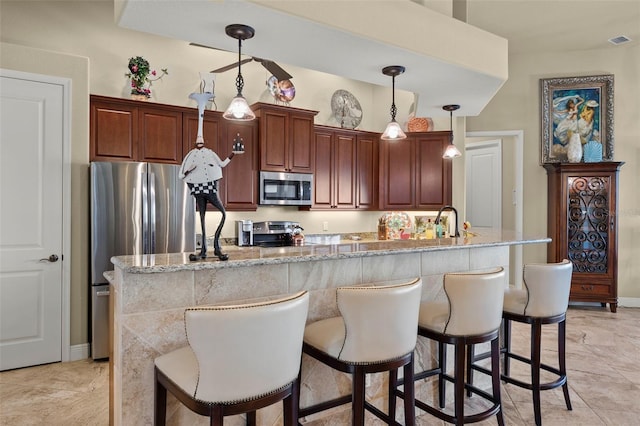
<point>239,109</point>
<point>393,132</point>
<point>451,151</point>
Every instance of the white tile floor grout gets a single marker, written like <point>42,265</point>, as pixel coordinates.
<point>603,361</point>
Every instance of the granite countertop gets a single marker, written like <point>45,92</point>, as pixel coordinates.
<point>250,256</point>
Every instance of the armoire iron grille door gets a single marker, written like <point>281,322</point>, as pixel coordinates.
<point>588,223</point>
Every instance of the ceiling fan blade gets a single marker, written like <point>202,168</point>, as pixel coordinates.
<point>232,66</point>
<point>206,47</point>
<point>274,69</point>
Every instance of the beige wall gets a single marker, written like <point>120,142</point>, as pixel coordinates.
<point>79,40</point>
<point>517,106</point>
<point>76,68</point>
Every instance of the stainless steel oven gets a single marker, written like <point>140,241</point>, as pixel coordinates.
<point>288,189</point>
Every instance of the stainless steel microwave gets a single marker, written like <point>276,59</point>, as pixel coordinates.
<point>286,189</point>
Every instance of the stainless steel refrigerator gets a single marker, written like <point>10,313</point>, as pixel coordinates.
<point>136,208</point>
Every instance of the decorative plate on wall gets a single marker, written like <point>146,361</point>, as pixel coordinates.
<point>346,109</point>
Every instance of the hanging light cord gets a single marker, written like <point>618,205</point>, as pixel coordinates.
<point>394,110</point>
<point>239,79</point>
<point>451,125</point>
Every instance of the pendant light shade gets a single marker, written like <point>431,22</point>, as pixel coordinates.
<point>239,109</point>
<point>451,151</point>
<point>393,131</point>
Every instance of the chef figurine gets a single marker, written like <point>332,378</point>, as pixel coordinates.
<point>201,169</point>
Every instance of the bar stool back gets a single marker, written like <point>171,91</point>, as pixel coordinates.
<point>543,300</point>
<point>471,315</point>
<point>376,332</point>
<point>240,358</point>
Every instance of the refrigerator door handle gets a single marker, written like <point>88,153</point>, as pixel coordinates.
<point>145,214</point>
<point>152,212</point>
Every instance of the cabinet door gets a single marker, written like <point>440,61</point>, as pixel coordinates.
<point>273,141</point>
<point>239,187</point>
<point>397,174</point>
<point>300,136</point>
<point>433,173</point>
<point>590,229</point>
<point>344,175</point>
<point>160,133</point>
<point>114,132</point>
<point>211,130</point>
<point>367,172</point>
<point>322,178</point>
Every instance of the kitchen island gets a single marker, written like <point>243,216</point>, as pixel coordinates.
<point>150,293</point>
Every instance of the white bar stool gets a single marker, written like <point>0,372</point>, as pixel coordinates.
<point>471,315</point>
<point>543,300</point>
<point>376,332</point>
<point>240,358</point>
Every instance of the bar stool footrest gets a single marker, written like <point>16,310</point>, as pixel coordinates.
<point>471,418</point>
<point>543,386</point>
<point>325,405</point>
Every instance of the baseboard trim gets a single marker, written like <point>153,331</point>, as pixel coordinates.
<point>78,352</point>
<point>629,302</point>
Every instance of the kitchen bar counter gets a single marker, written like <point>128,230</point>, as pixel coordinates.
<point>252,256</point>
<point>150,293</point>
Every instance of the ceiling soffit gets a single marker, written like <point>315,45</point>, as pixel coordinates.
<point>447,61</point>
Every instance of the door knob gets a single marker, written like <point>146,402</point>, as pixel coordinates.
<point>52,258</point>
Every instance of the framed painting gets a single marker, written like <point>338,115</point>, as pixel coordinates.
<point>582,105</point>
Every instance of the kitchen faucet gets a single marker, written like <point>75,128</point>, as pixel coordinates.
<point>437,221</point>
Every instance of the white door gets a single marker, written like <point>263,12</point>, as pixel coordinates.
<point>31,219</point>
<point>483,166</point>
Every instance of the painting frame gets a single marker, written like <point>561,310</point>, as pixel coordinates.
<point>586,92</point>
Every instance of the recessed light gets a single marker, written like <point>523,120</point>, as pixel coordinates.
<point>621,39</point>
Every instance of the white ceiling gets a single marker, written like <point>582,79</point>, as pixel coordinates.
<point>556,25</point>
<point>357,43</point>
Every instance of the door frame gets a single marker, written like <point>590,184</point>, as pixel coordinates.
<point>518,161</point>
<point>65,83</point>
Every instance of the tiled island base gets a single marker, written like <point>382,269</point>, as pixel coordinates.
<point>148,306</point>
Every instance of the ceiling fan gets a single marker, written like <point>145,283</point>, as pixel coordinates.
<point>275,69</point>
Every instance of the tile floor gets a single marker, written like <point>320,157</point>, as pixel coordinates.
<point>603,359</point>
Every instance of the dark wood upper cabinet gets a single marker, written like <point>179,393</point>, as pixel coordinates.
<point>346,169</point>
<point>211,130</point>
<point>323,176</point>
<point>159,135</point>
<point>238,187</point>
<point>397,175</point>
<point>352,169</point>
<point>114,130</point>
<point>128,130</point>
<point>335,169</point>
<point>413,174</point>
<point>582,222</point>
<point>367,171</point>
<point>286,138</point>
<point>240,177</point>
<point>433,173</point>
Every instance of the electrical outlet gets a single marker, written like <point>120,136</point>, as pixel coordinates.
<point>325,226</point>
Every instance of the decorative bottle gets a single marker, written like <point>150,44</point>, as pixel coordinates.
<point>574,149</point>
<point>428,233</point>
